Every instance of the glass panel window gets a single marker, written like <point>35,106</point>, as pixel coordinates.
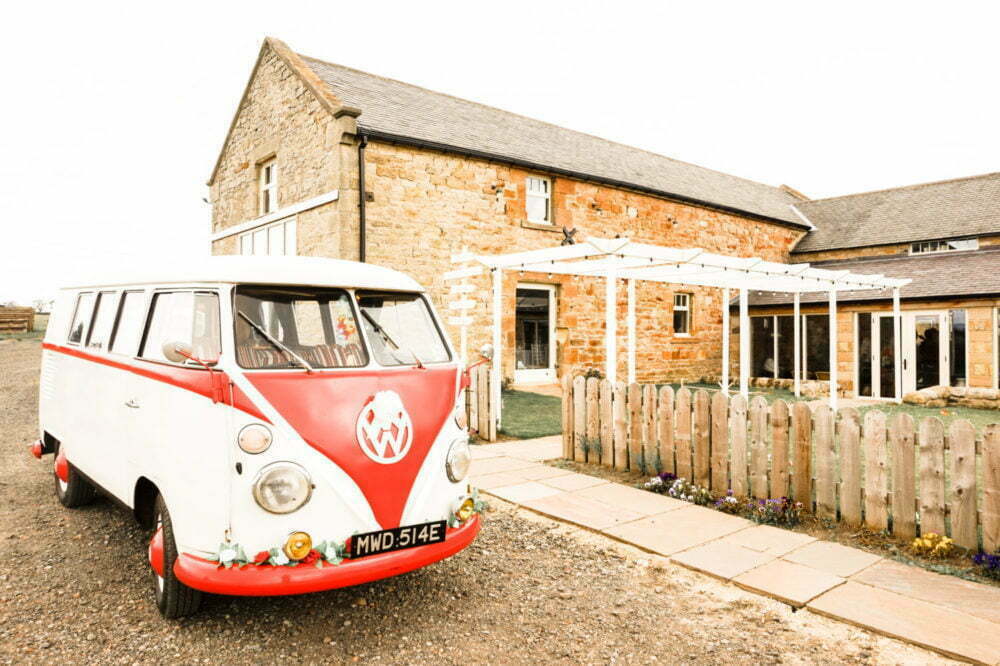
<point>816,350</point>
<point>81,318</point>
<point>956,244</point>
<point>957,351</point>
<point>401,329</point>
<point>128,329</point>
<point>762,346</point>
<point>276,239</point>
<point>317,325</point>
<point>268,187</point>
<point>104,319</point>
<point>864,349</point>
<point>539,200</point>
<point>786,347</point>
<point>682,314</point>
<point>183,316</point>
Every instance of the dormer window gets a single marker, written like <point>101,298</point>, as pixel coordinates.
<point>268,186</point>
<point>934,246</point>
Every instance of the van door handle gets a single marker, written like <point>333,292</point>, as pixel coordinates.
<point>132,404</point>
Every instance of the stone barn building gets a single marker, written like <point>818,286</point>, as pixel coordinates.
<point>325,160</point>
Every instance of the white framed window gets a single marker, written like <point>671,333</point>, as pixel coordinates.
<point>274,240</point>
<point>682,314</point>
<point>539,200</point>
<point>268,186</point>
<point>953,245</point>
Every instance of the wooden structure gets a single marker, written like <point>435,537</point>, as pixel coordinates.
<point>17,320</point>
<point>887,474</point>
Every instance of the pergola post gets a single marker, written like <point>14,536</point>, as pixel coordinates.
<point>797,327</point>
<point>630,285</point>
<point>744,344</point>
<point>611,325</point>
<point>497,349</point>
<point>833,349</point>
<point>725,340</point>
<point>897,344</point>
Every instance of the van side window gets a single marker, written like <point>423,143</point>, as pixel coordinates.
<point>128,328</point>
<point>81,317</point>
<point>183,316</point>
<point>104,318</point>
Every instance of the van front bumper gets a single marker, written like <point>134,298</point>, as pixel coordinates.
<point>259,581</point>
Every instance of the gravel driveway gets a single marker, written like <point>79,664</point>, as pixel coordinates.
<point>74,587</point>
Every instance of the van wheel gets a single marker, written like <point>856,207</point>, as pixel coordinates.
<point>173,598</point>
<point>75,490</point>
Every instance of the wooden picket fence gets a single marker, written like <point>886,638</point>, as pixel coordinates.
<point>890,474</point>
<point>479,404</point>
<point>17,320</point>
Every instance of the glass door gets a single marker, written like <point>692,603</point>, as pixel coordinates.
<point>884,360</point>
<point>535,349</point>
<point>925,350</point>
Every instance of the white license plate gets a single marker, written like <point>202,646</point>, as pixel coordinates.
<point>397,538</point>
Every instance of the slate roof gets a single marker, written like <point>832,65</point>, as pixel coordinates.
<point>392,109</point>
<point>947,209</point>
<point>949,274</point>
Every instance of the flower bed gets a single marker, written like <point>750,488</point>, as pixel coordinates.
<point>782,511</point>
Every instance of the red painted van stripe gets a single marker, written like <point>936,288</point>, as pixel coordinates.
<point>189,379</point>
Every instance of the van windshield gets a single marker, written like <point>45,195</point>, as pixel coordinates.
<point>401,329</point>
<point>318,325</point>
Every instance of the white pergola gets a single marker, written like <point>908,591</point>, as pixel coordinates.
<point>619,258</point>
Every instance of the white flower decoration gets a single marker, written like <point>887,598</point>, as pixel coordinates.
<point>227,555</point>
<point>280,559</point>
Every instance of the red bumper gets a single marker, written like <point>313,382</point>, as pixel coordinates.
<point>256,581</point>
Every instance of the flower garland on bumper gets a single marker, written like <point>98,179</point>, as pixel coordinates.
<point>231,555</point>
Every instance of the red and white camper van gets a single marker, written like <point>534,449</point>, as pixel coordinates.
<point>281,424</point>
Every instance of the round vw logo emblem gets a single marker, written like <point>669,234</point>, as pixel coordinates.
<point>385,430</point>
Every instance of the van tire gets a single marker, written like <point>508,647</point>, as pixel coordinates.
<point>77,491</point>
<point>174,599</point>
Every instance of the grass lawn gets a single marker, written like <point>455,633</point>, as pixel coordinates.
<point>528,415</point>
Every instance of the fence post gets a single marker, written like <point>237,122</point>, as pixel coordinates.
<point>719,445</point>
<point>962,437</point>
<point>702,428</point>
<point>802,459</point>
<point>682,438</point>
<point>930,440</point>
<point>780,475</point>
<point>826,463</point>
<point>607,424</point>
<point>593,421</point>
<point>758,447</point>
<point>567,415</point>
<point>635,461</point>
<point>494,396</point>
<point>483,399</point>
<point>665,429</point>
<point>876,473</point>
<point>579,418</point>
<point>650,451</point>
<point>619,404</point>
<point>991,488</point>
<point>849,429</point>
<point>738,454</point>
<point>904,478</point>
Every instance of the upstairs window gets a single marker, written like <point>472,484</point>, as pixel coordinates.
<point>931,247</point>
<point>539,199</point>
<point>682,314</point>
<point>273,240</point>
<point>268,187</point>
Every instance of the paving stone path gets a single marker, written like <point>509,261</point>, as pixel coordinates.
<point>953,616</point>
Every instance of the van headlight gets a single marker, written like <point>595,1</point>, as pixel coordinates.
<point>282,487</point>
<point>458,460</point>
<point>461,418</point>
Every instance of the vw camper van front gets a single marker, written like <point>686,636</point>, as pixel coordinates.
<point>300,437</point>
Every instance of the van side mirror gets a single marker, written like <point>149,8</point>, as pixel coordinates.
<point>486,351</point>
<point>177,352</point>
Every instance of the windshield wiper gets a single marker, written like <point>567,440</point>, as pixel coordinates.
<point>385,336</point>
<point>267,336</point>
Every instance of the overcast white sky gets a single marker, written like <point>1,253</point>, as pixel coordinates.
<point>113,114</point>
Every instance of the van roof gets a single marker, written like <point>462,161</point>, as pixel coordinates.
<point>312,271</point>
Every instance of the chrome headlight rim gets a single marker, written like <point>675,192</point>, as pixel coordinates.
<point>450,462</point>
<point>251,428</point>
<point>295,467</point>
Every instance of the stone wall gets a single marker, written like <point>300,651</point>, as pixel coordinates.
<point>943,396</point>
<point>441,203</point>
<point>280,117</point>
